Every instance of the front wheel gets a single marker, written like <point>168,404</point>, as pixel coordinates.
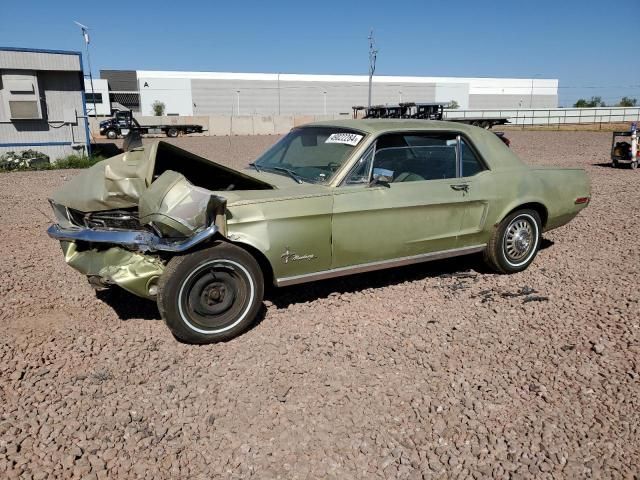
<point>515,242</point>
<point>172,132</point>
<point>112,134</point>
<point>211,295</point>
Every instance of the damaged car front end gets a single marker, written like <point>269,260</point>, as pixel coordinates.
<point>121,220</point>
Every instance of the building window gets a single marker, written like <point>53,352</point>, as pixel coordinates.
<point>93,97</point>
<point>22,97</point>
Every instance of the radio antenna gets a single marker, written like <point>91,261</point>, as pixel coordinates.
<point>373,55</point>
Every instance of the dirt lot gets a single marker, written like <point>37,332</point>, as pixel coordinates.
<point>439,370</point>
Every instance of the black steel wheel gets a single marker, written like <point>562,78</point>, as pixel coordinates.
<point>515,242</point>
<point>211,295</point>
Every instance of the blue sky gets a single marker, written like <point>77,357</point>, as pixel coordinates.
<point>584,44</point>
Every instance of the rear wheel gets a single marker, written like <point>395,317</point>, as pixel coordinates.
<point>515,242</point>
<point>172,132</point>
<point>634,165</point>
<point>211,295</point>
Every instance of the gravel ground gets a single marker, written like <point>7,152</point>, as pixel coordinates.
<point>439,370</point>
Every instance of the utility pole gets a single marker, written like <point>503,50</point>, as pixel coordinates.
<point>85,36</point>
<point>373,55</point>
<point>531,98</point>
<point>536,75</point>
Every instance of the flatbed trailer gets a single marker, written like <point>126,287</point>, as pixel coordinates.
<point>484,122</point>
<point>426,111</point>
<point>123,122</point>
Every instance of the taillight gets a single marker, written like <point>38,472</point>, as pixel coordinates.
<point>581,200</point>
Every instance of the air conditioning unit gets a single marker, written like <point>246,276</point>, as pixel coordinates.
<point>24,109</point>
<point>23,100</point>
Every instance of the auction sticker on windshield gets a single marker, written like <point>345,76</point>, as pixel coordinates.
<point>347,138</point>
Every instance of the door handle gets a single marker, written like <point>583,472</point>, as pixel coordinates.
<point>461,187</point>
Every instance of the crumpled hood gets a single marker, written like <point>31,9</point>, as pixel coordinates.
<point>120,181</point>
<point>114,183</point>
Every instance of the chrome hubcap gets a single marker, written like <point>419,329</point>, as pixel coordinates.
<point>518,239</point>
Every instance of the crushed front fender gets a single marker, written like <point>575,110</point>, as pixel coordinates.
<point>134,272</point>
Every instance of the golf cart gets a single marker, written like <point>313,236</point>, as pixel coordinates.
<point>622,146</point>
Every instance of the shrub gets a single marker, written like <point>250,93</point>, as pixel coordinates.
<point>75,161</point>
<point>627,102</point>
<point>594,102</point>
<point>34,160</point>
<point>158,108</point>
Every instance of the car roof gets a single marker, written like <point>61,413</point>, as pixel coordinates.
<point>381,125</point>
<point>495,153</point>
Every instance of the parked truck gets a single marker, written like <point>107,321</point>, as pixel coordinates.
<point>123,122</point>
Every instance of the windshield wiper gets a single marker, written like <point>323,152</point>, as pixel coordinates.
<point>288,172</point>
<point>253,164</point>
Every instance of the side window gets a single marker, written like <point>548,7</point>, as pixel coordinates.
<point>415,157</point>
<point>470,162</point>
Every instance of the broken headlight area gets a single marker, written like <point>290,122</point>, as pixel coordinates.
<point>123,219</point>
<point>116,219</point>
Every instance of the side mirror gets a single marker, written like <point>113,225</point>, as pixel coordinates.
<point>381,176</point>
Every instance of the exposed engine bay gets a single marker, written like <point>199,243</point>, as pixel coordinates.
<point>137,206</point>
<point>161,187</point>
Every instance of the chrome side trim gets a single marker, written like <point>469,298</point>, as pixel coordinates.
<point>137,240</point>
<point>369,267</point>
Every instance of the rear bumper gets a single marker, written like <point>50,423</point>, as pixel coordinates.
<point>131,239</point>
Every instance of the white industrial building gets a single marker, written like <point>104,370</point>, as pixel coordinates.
<point>221,93</point>
<point>97,98</point>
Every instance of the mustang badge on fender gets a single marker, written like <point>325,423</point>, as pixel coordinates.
<point>289,256</point>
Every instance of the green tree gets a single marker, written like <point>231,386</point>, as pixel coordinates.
<point>453,105</point>
<point>158,108</point>
<point>594,102</point>
<point>627,102</point>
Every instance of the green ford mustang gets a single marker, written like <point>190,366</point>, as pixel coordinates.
<point>329,199</point>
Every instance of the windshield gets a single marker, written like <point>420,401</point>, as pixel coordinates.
<point>312,154</point>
